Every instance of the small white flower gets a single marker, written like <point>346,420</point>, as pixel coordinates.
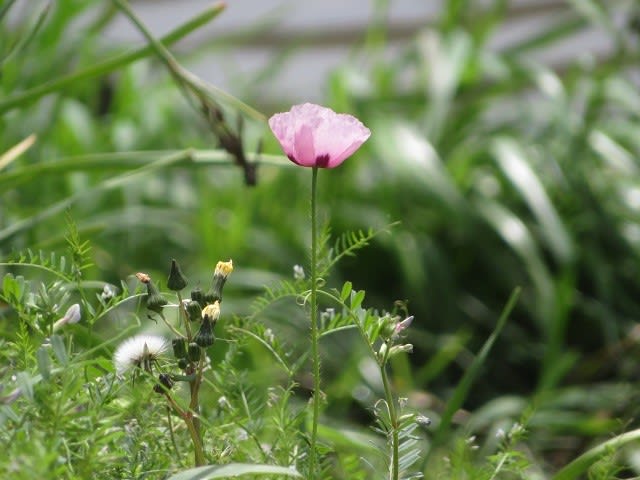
<point>108,292</point>
<point>224,403</point>
<point>139,351</point>
<point>298,272</point>
<point>72,315</point>
<point>423,421</point>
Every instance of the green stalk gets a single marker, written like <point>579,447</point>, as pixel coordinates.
<point>187,416</point>
<point>110,65</point>
<point>315,357</point>
<point>393,417</point>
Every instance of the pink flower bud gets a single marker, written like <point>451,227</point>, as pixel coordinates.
<point>403,325</point>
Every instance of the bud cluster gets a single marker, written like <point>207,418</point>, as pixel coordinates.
<point>199,307</point>
<point>391,328</point>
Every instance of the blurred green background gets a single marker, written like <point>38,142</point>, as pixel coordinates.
<point>502,171</point>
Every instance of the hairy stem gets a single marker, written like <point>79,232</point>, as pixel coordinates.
<point>315,356</point>
<point>394,471</point>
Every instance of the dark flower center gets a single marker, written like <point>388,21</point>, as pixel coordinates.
<point>322,160</point>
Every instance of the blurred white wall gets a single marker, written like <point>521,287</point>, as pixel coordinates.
<point>326,31</point>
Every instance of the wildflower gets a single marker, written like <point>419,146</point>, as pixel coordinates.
<point>210,315</point>
<point>155,300</point>
<point>423,421</point>
<point>220,274</point>
<point>177,281</point>
<point>403,325</point>
<point>396,349</point>
<point>139,351</point>
<point>211,312</point>
<point>108,292</point>
<point>316,136</point>
<point>72,315</point>
<point>298,272</point>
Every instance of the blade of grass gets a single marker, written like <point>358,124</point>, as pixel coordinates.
<point>580,465</point>
<point>105,162</point>
<point>462,390</point>
<point>107,185</point>
<point>5,8</point>
<point>183,77</point>
<point>19,45</point>
<point>28,96</point>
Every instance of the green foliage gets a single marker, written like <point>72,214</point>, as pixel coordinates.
<point>501,172</point>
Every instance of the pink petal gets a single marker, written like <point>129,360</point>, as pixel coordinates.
<point>316,136</point>
<point>305,153</point>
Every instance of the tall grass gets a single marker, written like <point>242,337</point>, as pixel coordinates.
<point>503,172</point>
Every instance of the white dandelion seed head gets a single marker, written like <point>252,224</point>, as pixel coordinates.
<point>138,350</point>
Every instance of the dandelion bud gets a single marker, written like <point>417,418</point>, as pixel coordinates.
<point>155,300</point>
<point>212,313</point>
<point>198,296</point>
<point>164,383</point>
<point>183,363</point>
<point>193,352</point>
<point>205,337</point>
<point>194,310</point>
<point>179,347</point>
<point>220,274</point>
<point>177,281</point>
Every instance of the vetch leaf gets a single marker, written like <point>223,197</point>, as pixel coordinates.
<point>25,383</point>
<point>346,290</point>
<point>44,363</point>
<point>59,349</point>
<point>356,299</point>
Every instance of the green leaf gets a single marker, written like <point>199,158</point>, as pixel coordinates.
<point>44,362</point>
<point>25,383</point>
<point>356,299</point>
<point>59,349</point>
<point>233,470</point>
<point>346,290</point>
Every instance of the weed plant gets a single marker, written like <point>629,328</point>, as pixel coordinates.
<point>496,203</point>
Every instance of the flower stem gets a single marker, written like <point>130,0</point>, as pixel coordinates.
<point>187,416</point>
<point>315,356</point>
<point>394,472</point>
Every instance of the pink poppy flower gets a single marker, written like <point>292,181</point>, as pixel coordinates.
<point>316,136</point>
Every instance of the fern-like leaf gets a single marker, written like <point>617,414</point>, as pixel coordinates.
<point>345,245</point>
